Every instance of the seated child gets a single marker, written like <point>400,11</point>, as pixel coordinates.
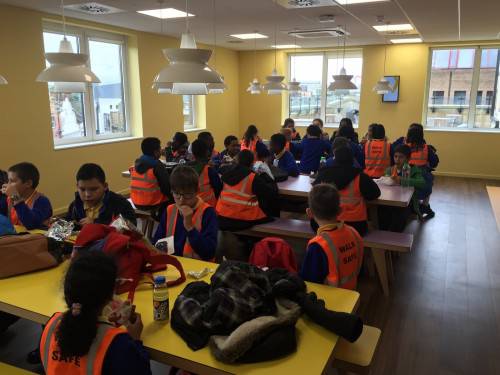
<point>354,188</point>
<point>378,152</point>
<point>247,198</point>
<point>4,178</point>
<point>177,148</point>
<point>319,123</point>
<point>73,338</point>
<point>346,130</point>
<point>149,183</point>
<point>283,158</point>
<point>251,140</point>
<point>192,222</point>
<point>94,202</point>
<point>25,205</point>
<point>210,185</point>
<point>227,157</point>
<point>289,123</point>
<point>209,140</point>
<point>261,166</point>
<point>312,149</point>
<point>335,255</point>
<point>356,149</point>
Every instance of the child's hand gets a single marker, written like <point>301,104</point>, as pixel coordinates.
<point>85,220</point>
<point>9,190</point>
<point>187,213</point>
<point>135,328</point>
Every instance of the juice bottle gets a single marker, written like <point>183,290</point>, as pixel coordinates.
<point>160,299</point>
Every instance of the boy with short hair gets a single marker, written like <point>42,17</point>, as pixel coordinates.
<point>94,202</point>
<point>335,255</point>
<point>177,148</point>
<point>312,149</point>
<point>191,221</point>
<point>25,205</point>
<point>283,158</point>
<point>227,157</point>
<point>209,185</point>
<point>210,142</point>
<point>149,183</point>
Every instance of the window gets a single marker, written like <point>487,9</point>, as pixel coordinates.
<point>458,79</point>
<point>85,113</point>
<point>188,111</point>
<point>314,72</point>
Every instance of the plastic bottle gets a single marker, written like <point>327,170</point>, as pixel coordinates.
<point>161,310</point>
<point>322,162</point>
<point>405,175</point>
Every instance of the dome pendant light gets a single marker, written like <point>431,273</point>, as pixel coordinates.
<point>216,88</point>
<point>293,86</point>
<point>342,82</point>
<point>255,87</point>
<point>383,86</point>
<point>188,72</point>
<point>67,69</point>
<point>274,85</point>
<point>3,81</point>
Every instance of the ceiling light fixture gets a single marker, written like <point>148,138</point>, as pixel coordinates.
<point>351,2</point>
<point>165,13</point>
<point>188,72</point>
<point>293,86</point>
<point>67,68</point>
<point>3,81</point>
<point>286,46</point>
<point>397,27</point>
<point>216,88</point>
<point>254,87</point>
<point>342,82</point>
<point>383,86</point>
<point>406,40</point>
<point>249,36</point>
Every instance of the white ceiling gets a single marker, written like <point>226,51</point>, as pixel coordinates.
<point>435,20</point>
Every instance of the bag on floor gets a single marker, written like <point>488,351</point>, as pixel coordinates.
<point>23,253</point>
<point>273,252</point>
<point>134,256</point>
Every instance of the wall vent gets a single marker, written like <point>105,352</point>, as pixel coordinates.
<point>93,8</point>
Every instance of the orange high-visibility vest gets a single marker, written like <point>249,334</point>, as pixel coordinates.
<point>352,202</point>
<point>377,157</point>
<point>419,156</point>
<point>90,364</point>
<point>252,146</point>
<point>145,189</point>
<point>29,202</point>
<point>205,190</point>
<point>171,222</point>
<point>239,202</point>
<point>343,247</point>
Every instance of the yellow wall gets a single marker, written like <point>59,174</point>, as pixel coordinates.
<point>25,133</point>
<point>461,153</point>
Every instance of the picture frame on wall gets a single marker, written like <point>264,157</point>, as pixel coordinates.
<point>393,96</point>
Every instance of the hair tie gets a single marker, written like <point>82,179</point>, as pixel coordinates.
<point>76,309</point>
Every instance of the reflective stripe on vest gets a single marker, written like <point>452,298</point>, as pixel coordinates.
<point>144,188</point>
<point>419,157</point>
<point>90,364</point>
<point>377,159</point>
<point>206,192</point>
<point>238,201</point>
<point>352,202</point>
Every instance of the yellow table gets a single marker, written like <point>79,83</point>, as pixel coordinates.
<point>36,296</point>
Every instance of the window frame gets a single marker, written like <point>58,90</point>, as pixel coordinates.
<point>326,55</point>
<point>84,35</point>
<point>193,125</point>
<point>474,87</point>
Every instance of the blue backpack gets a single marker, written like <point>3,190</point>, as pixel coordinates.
<point>5,226</point>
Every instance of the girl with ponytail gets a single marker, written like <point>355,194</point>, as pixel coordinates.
<point>82,338</point>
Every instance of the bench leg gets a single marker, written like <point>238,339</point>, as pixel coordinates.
<point>390,267</point>
<point>380,264</point>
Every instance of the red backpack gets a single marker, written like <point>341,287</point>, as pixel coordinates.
<point>273,252</point>
<point>133,255</point>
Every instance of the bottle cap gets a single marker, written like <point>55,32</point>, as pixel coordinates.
<point>159,280</point>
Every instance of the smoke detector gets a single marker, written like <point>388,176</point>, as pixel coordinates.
<point>319,33</point>
<point>326,18</point>
<point>301,4</point>
<point>93,8</point>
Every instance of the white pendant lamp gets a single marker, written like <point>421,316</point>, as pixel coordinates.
<point>383,86</point>
<point>3,81</point>
<point>216,88</point>
<point>293,86</point>
<point>67,69</point>
<point>188,72</point>
<point>255,87</point>
<point>342,82</point>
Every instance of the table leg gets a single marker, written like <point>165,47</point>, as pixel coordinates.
<point>380,264</point>
<point>373,216</point>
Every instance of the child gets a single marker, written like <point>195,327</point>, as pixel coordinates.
<point>283,159</point>
<point>192,222</point>
<point>251,140</point>
<point>346,130</point>
<point>394,219</point>
<point>227,157</point>
<point>377,151</point>
<point>247,198</point>
<point>312,149</point>
<point>94,202</point>
<point>177,149</point>
<point>210,185</point>
<point>25,205</point>
<point>82,333</point>
<point>4,178</point>
<point>261,166</point>
<point>356,150</point>
<point>354,188</point>
<point>149,183</point>
<point>319,123</point>
<point>289,123</point>
<point>209,140</point>
<point>335,255</point>
<point>423,156</point>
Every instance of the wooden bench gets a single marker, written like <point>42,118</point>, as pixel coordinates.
<point>6,369</point>
<point>146,218</point>
<point>378,241</point>
<point>356,357</point>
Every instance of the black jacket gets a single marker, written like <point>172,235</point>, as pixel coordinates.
<point>263,187</point>
<point>159,170</point>
<point>113,205</point>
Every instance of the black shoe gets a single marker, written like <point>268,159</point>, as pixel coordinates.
<point>429,214</point>
<point>33,357</point>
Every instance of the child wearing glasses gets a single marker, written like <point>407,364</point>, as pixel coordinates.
<point>191,221</point>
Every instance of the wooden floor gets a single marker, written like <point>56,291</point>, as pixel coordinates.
<point>443,315</point>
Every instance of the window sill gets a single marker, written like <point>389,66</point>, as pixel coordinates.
<point>95,143</point>
<point>462,130</point>
<point>193,130</point>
